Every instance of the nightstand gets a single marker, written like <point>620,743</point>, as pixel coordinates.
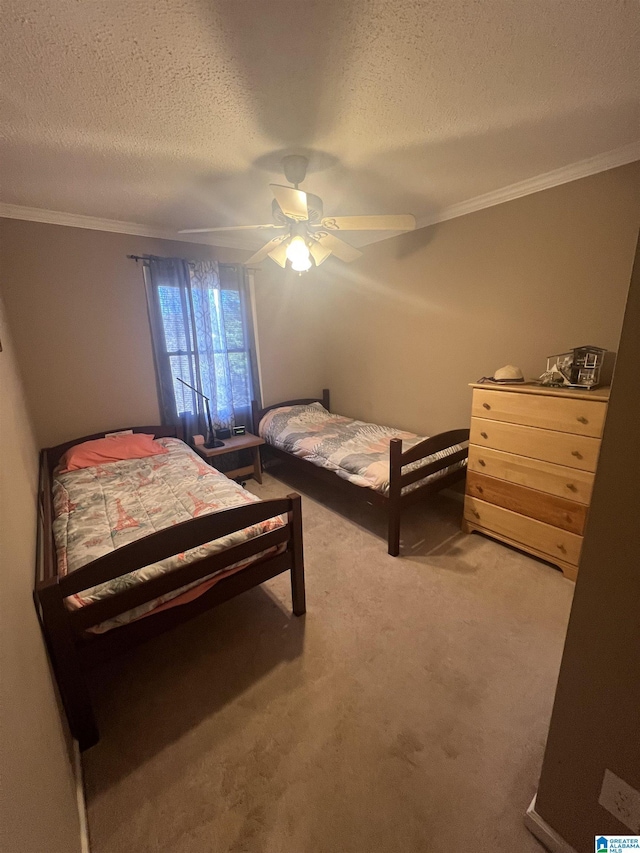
<point>233,445</point>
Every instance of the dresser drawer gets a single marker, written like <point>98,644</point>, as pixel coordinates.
<point>558,544</point>
<point>574,451</point>
<point>582,417</point>
<point>534,473</point>
<point>551,509</point>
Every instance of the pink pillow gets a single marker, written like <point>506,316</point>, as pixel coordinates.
<point>112,449</point>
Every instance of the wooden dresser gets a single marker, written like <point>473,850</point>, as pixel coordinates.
<point>532,457</point>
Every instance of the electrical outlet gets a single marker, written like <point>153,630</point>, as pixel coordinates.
<point>623,801</point>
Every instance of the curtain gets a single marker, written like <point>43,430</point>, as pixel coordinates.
<point>202,333</point>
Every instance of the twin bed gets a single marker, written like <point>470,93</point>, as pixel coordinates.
<point>130,546</point>
<point>385,467</point>
<point>128,549</point>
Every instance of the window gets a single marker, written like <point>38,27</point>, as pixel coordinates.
<point>202,334</point>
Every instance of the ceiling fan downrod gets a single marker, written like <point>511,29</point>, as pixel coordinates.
<point>294,167</point>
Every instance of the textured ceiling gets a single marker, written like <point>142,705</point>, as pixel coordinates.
<point>175,113</point>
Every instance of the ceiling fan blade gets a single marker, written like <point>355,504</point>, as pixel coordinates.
<point>293,203</point>
<point>318,252</point>
<point>230,228</point>
<point>279,254</point>
<point>262,253</point>
<point>338,247</point>
<point>369,223</point>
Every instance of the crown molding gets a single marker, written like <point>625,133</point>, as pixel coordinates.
<point>573,172</point>
<point>116,226</point>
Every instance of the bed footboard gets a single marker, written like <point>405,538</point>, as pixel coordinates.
<point>398,496</point>
<point>398,482</point>
<point>71,649</point>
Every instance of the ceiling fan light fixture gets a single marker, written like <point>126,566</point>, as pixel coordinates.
<point>301,265</point>
<point>306,236</point>
<point>298,254</point>
<point>297,249</point>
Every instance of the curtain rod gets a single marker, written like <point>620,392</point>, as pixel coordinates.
<point>147,258</point>
<point>144,258</point>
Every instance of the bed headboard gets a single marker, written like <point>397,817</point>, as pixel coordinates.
<point>54,454</point>
<point>257,414</point>
<point>49,458</point>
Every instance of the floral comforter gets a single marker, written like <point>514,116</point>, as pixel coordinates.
<point>101,508</point>
<point>355,450</point>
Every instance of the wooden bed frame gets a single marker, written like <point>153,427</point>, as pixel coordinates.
<point>72,650</point>
<point>395,501</point>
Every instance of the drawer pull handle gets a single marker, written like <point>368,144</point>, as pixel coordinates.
<point>481,462</point>
<point>484,435</point>
<point>583,420</point>
<point>572,487</point>
<point>476,513</point>
<point>562,548</point>
<point>480,489</point>
<point>487,406</point>
<point>577,454</point>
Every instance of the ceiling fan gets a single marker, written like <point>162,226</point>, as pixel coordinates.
<point>303,235</point>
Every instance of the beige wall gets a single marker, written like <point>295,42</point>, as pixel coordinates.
<point>77,309</point>
<point>292,333</point>
<point>596,716</point>
<point>423,314</point>
<point>38,809</point>
<point>396,336</point>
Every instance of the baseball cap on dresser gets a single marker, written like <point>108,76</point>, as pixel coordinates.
<point>509,374</point>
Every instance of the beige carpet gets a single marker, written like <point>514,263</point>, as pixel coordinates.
<point>407,711</point>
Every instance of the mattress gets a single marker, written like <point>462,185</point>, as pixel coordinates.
<point>102,508</point>
<point>355,450</point>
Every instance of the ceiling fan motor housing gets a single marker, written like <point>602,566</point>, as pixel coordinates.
<point>314,207</point>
